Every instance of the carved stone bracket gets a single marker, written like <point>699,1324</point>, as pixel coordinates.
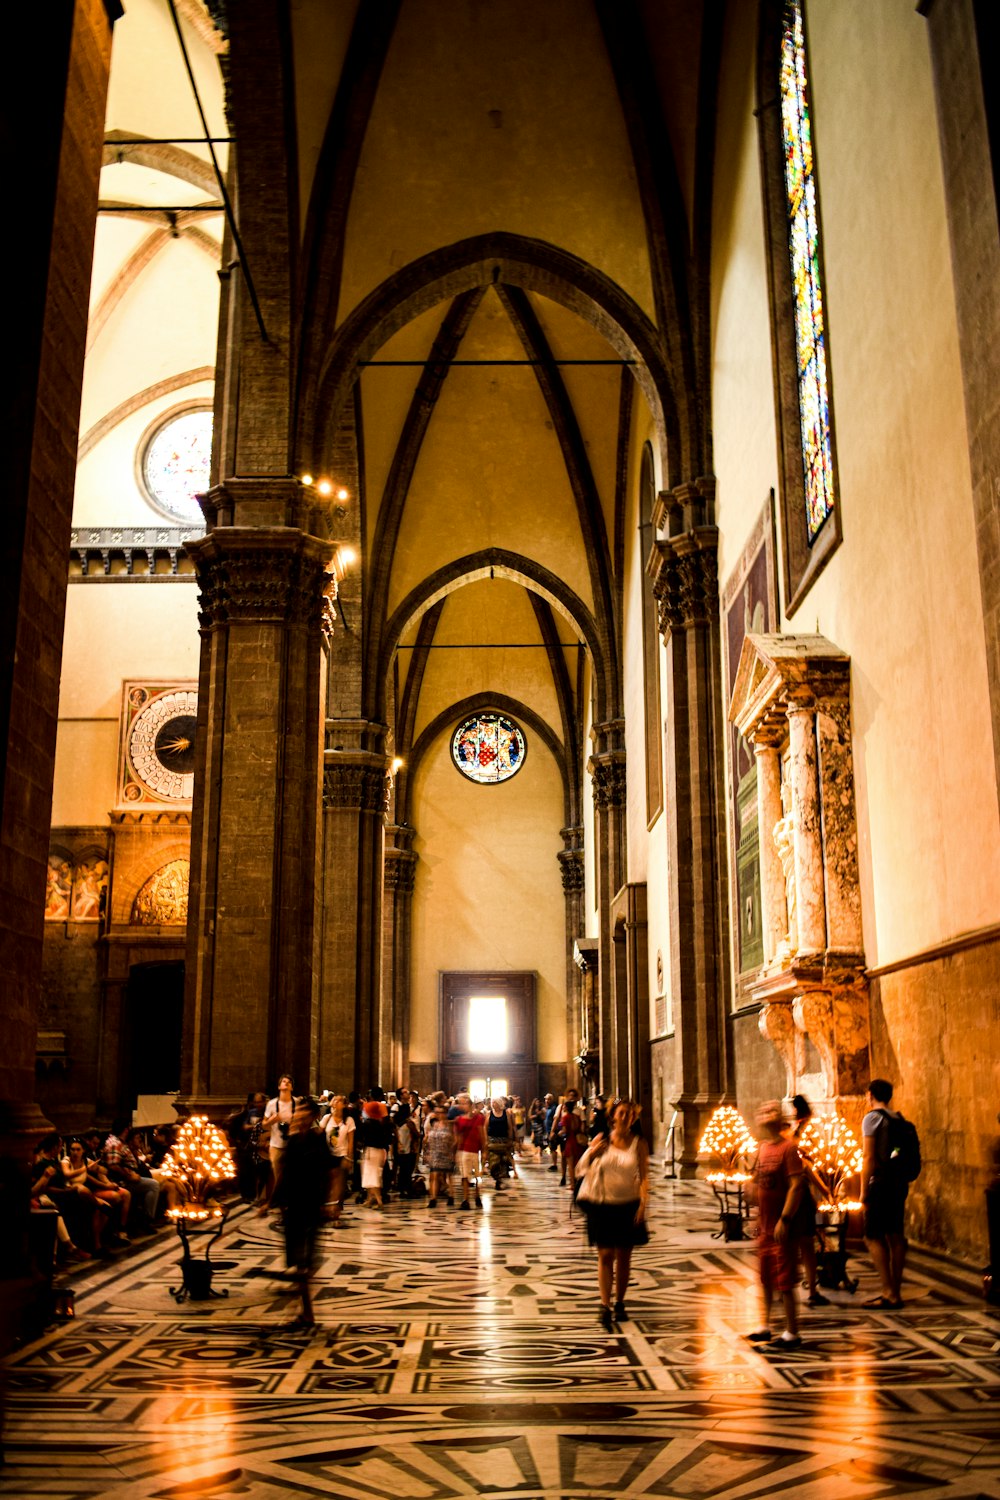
<point>250,575</point>
<point>776,1023</point>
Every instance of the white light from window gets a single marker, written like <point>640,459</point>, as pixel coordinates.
<point>487,1025</point>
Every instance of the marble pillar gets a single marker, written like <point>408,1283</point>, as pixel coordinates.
<point>772,880</point>
<point>807,828</point>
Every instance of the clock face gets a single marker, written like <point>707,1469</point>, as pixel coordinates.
<point>161,745</point>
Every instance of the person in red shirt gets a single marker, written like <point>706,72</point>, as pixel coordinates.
<point>470,1145</point>
<point>779,1178</point>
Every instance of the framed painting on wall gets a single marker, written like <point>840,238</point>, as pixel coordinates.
<point>749,607</point>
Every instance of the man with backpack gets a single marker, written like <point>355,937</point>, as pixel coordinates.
<point>891,1161</point>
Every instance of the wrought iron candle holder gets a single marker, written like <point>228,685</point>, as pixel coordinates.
<point>197,1271</point>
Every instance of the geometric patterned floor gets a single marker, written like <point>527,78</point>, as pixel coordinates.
<point>459,1354</point>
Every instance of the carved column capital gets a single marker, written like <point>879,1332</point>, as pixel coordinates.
<point>572,870</point>
<point>250,575</point>
<point>685,577</point>
<point>608,773</point>
<point>400,870</point>
<point>356,784</point>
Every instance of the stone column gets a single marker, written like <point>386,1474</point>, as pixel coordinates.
<point>684,571</point>
<point>607,770</point>
<point>840,829</point>
<point>58,84</point>
<point>355,802</point>
<point>251,987</point>
<point>587,958</point>
<point>397,917</point>
<point>808,846</point>
<point>571,870</point>
<point>772,880</point>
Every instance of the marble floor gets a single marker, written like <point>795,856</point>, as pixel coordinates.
<point>459,1354</point>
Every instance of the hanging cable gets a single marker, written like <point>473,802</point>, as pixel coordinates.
<point>230,216</point>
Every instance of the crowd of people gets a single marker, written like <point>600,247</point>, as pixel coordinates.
<point>314,1160</point>
<point>786,1208</point>
<point>101,1188</point>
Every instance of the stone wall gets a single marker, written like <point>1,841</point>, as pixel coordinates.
<point>935,1026</point>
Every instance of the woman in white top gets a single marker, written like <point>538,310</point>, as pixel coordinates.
<point>278,1120</point>
<point>615,1170</point>
<point>340,1129</point>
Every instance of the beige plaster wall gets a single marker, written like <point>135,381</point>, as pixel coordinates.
<point>490,471</point>
<point>164,324</point>
<point>543,147</point>
<point>113,632</point>
<point>488,892</point>
<point>107,493</point>
<point>743,422</point>
<point>901,595</point>
<point>145,47</point>
<point>320,36</point>
<point>647,843</point>
<point>484,612</point>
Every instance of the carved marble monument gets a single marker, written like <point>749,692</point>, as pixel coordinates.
<point>792,702</point>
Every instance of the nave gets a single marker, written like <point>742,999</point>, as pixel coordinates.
<point>460,1354</point>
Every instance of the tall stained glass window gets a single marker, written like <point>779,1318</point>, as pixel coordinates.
<point>489,748</point>
<point>803,245</point>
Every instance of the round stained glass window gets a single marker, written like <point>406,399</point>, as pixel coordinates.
<point>489,748</point>
<point>175,463</point>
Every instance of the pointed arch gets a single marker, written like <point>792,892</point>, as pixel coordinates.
<point>485,260</point>
<point>519,569</point>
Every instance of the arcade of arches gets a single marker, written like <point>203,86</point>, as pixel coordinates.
<point>502,373</point>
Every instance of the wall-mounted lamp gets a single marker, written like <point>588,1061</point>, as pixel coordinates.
<point>397,765</point>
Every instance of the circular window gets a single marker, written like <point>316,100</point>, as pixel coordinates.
<point>489,748</point>
<point>174,463</point>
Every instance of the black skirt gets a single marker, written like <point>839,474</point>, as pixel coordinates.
<point>612,1226</point>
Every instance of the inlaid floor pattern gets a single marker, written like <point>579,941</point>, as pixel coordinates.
<point>459,1354</point>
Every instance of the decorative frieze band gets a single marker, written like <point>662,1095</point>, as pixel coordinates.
<point>365,788</point>
<point>276,574</point>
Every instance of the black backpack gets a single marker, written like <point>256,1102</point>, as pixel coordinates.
<point>899,1148</point>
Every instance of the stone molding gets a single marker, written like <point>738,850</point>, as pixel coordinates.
<point>361,786</point>
<point>150,817</point>
<point>95,546</point>
<point>255,576</point>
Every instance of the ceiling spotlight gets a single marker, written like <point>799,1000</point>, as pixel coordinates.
<point>307,479</point>
<point>324,487</point>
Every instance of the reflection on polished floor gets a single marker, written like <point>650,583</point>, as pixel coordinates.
<point>460,1354</point>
